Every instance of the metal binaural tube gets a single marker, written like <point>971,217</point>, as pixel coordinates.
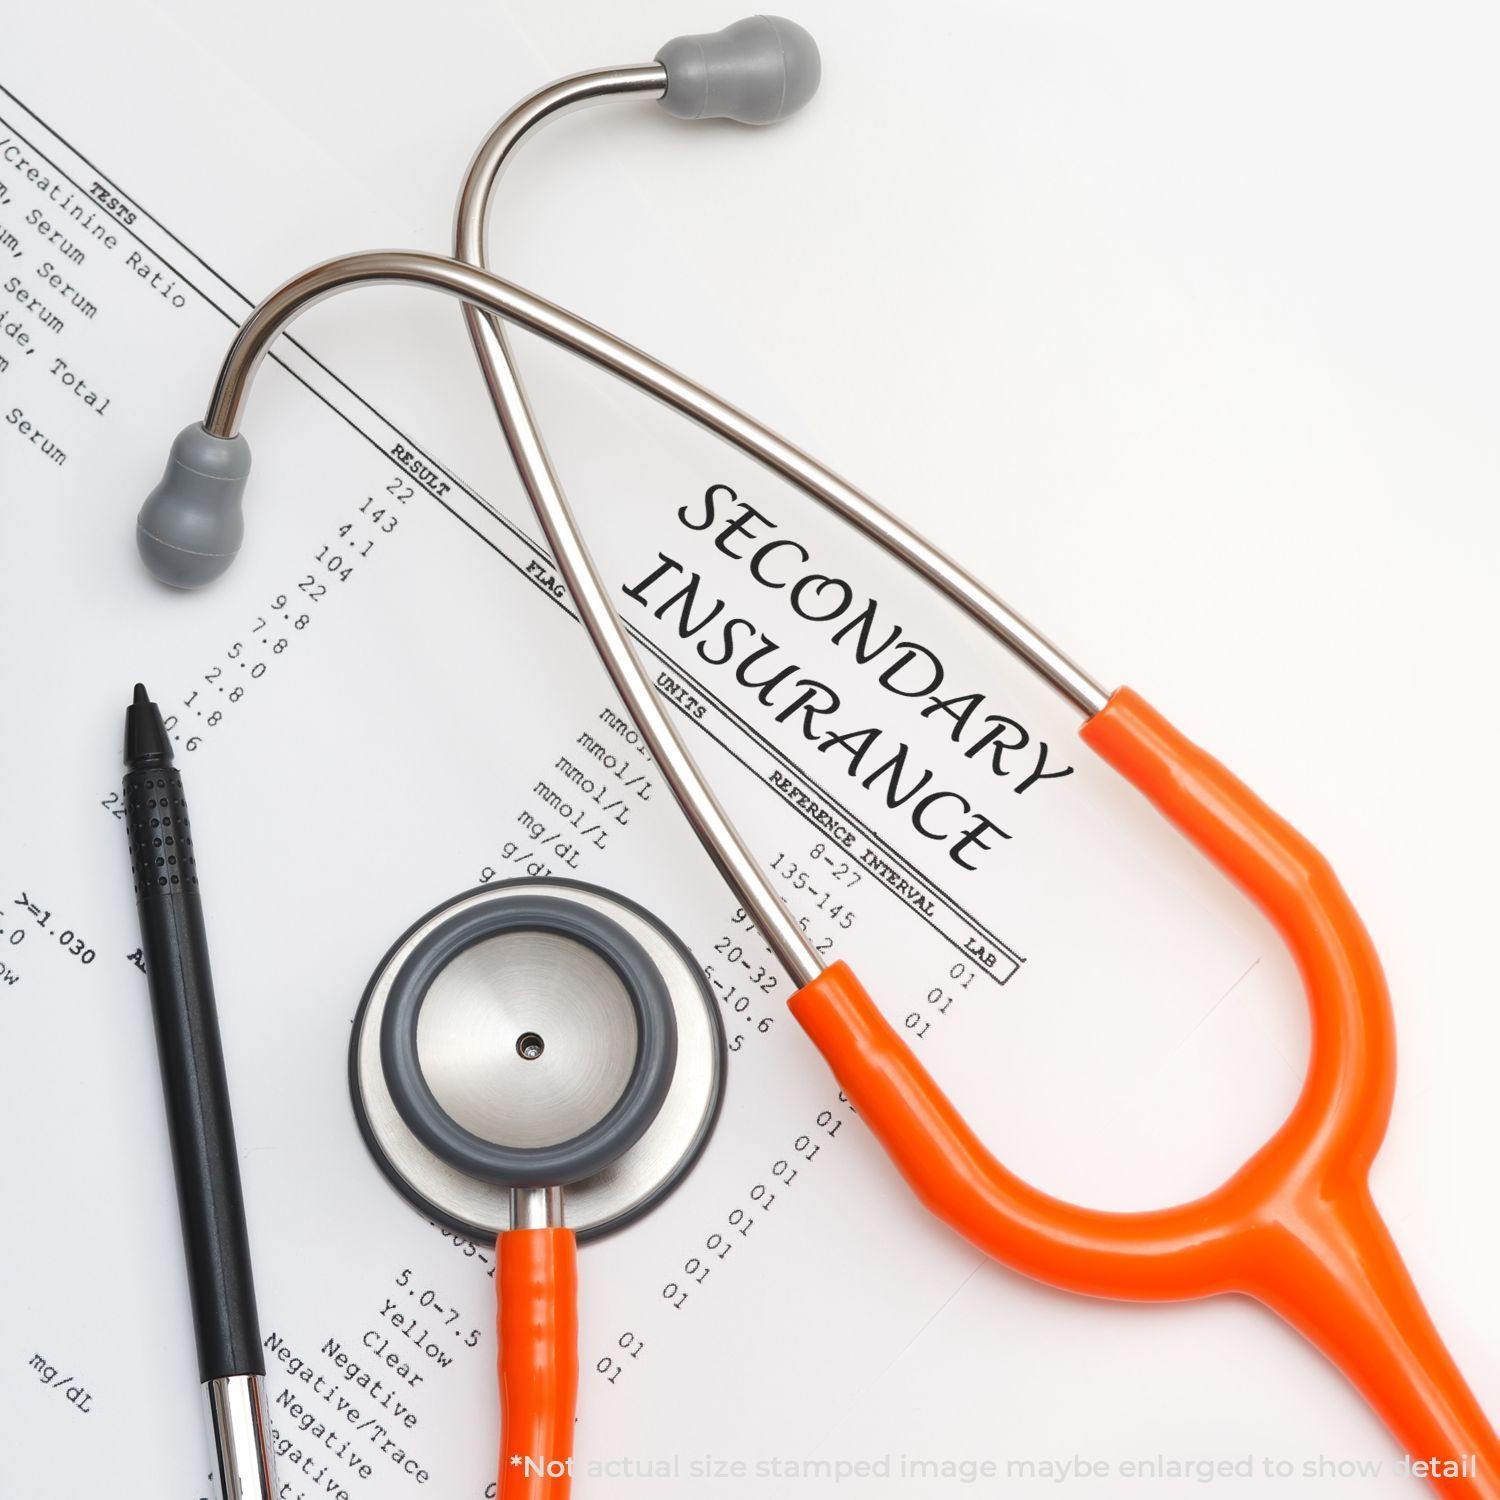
<point>471,241</point>
<point>649,81</point>
<point>492,348</point>
<point>505,300</point>
<point>558,326</point>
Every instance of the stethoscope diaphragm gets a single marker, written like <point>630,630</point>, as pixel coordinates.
<point>536,1033</point>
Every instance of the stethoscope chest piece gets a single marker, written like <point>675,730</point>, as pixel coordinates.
<point>537,1033</point>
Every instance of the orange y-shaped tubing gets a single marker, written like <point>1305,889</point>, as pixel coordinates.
<point>1295,1226</point>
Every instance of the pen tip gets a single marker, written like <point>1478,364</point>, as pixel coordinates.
<point>146,739</point>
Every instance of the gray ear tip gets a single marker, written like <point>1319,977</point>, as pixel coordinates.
<point>215,457</point>
<point>757,71</point>
<point>803,62</point>
<point>190,528</point>
<point>177,566</point>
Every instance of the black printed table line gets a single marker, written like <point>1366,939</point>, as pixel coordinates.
<point>539,552</point>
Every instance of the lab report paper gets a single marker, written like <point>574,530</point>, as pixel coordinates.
<point>388,700</point>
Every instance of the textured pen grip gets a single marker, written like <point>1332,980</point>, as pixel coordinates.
<point>161,839</point>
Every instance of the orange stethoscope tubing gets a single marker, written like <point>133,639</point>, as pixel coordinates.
<point>536,1293</point>
<point>1295,1227</point>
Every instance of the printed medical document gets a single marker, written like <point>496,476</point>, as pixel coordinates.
<point>388,700</point>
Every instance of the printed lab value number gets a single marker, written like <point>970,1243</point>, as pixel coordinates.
<point>610,1367</point>
<point>694,1272</point>
<point>67,938</point>
<point>938,1002</point>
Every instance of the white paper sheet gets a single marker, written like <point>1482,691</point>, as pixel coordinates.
<point>373,717</point>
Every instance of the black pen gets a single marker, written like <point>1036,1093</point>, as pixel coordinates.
<point>231,1364</point>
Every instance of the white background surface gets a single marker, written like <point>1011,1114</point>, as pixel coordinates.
<point>1178,324</point>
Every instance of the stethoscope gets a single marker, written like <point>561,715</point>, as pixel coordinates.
<point>539,1049</point>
